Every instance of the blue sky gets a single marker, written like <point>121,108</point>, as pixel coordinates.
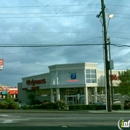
<point>59,22</point>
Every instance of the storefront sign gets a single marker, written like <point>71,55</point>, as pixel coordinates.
<point>35,88</point>
<point>70,80</point>
<point>33,82</point>
<point>4,93</point>
<point>13,91</point>
<point>73,77</point>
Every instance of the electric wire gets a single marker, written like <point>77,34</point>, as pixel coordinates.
<point>58,45</point>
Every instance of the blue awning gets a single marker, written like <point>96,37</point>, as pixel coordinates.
<point>4,93</point>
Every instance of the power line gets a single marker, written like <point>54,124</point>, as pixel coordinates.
<point>123,6</point>
<point>57,45</point>
<point>48,13</point>
<point>51,16</point>
<point>120,37</point>
<point>46,6</point>
<point>60,46</point>
<point>43,45</point>
<point>43,32</point>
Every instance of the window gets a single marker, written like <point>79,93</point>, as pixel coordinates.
<point>91,76</point>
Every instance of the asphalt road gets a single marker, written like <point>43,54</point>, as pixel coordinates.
<point>57,121</point>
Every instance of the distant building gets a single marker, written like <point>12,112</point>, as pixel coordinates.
<point>5,89</point>
<point>78,83</point>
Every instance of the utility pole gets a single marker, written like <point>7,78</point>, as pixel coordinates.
<point>107,62</point>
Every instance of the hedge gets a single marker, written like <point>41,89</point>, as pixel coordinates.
<point>93,107</point>
<point>61,105</point>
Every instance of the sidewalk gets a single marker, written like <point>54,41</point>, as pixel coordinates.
<point>63,111</point>
<point>104,111</point>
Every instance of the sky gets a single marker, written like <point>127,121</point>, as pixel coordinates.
<point>52,22</point>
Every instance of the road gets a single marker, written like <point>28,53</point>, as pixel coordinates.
<point>69,121</point>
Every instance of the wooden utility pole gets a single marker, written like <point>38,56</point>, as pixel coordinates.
<point>107,60</point>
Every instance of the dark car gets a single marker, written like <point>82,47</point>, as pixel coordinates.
<point>127,104</point>
<point>99,103</point>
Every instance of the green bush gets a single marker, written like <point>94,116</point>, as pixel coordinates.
<point>72,107</point>
<point>87,107</point>
<point>62,105</point>
<point>77,107</point>
<point>91,107</point>
<point>13,105</point>
<point>31,97</point>
<point>3,105</point>
<point>26,107</point>
<point>35,106</point>
<point>49,105</point>
<point>100,107</point>
<point>117,107</point>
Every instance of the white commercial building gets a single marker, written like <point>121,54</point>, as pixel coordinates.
<point>78,83</point>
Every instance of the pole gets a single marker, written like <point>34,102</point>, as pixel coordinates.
<point>106,56</point>
<point>111,67</point>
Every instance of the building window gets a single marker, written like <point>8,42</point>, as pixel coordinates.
<point>91,76</point>
<point>53,78</point>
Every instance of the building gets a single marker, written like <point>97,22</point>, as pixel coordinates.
<point>5,89</point>
<point>78,83</point>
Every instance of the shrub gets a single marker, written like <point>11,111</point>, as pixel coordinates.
<point>35,106</point>
<point>87,107</point>
<point>100,107</point>
<point>72,107</point>
<point>3,105</point>
<point>31,97</point>
<point>55,106</point>
<point>62,105</point>
<point>116,107</point>
<point>91,107</point>
<point>26,107</point>
<point>13,105</point>
<point>37,102</point>
<point>8,98</point>
<point>48,105</point>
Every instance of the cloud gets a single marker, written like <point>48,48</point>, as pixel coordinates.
<point>53,22</point>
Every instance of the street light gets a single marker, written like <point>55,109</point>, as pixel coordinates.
<point>111,16</point>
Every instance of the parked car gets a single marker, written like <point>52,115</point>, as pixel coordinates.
<point>127,104</point>
<point>117,101</point>
<point>99,103</point>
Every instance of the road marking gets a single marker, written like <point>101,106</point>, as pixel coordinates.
<point>9,116</point>
<point>3,115</point>
<point>13,120</point>
<point>65,126</point>
<point>7,121</point>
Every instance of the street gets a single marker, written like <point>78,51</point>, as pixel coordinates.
<point>60,120</point>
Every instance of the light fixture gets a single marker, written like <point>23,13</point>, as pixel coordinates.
<point>111,16</point>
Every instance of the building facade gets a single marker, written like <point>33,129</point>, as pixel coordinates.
<point>5,89</point>
<point>77,83</point>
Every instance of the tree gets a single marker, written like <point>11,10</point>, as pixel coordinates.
<point>124,85</point>
<point>8,98</point>
<point>32,98</point>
